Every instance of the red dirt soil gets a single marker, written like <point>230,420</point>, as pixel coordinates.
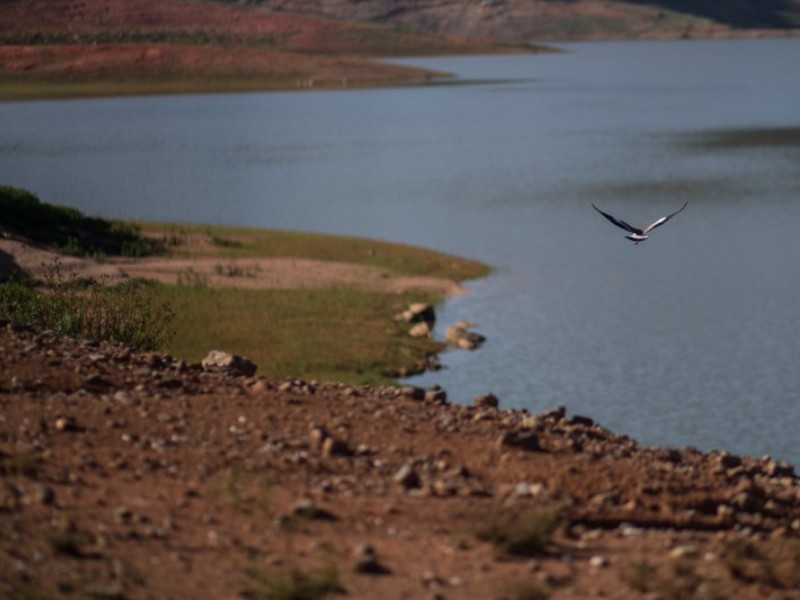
<point>133,475</point>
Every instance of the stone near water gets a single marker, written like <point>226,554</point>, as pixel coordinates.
<point>460,336</point>
<point>486,401</point>
<point>420,330</point>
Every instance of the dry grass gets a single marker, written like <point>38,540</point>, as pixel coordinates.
<point>520,533</point>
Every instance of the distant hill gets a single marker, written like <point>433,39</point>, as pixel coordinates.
<point>68,48</point>
<point>523,20</point>
<point>61,48</point>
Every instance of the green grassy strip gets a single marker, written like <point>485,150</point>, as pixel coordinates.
<point>335,334</point>
<point>41,87</point>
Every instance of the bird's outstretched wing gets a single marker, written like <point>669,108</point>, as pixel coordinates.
<point>663,220</point>
<point>623,225</point>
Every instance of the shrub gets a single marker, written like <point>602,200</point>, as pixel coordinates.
<point>527,533</point>
<point>131,312</point>
<point>69,230</point>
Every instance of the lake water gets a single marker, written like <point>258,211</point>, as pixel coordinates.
<point>692,338</point>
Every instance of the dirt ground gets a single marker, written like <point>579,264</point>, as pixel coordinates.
<point>128,475</point>
<point>255,272</point>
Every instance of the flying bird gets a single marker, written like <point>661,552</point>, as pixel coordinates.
<point>636,234</point>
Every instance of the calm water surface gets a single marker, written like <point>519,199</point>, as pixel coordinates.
<point>692,338</point>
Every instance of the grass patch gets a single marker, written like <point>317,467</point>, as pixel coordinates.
<point>294,584</point>
<point>676,580</point>
<point>245,490</point>
<point>520,533</point>
<point>526,590</point>
<point>776,563</point>
<point>68,230</point>
<point>335,334</point>
<point>132,312</point>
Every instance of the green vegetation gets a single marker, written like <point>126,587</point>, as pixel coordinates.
<point>335,334</point>
<point>131,312</point>
<point>67,229</point>
<point>41,86</point>
<point>338,333</point>
<point>516,533</point>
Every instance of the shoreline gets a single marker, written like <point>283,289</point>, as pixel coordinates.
<point>320,283</point>
<point>289,73</point>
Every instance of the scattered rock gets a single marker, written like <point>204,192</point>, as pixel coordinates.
<point>554,414</point>
<point>407,476</point>
<point>460,336</point>
<point>232,364</point>
<point>728,461</point>
<point>366,561</point>
<point>418,312</point>
<point>598,561</point>
<point>334,447</point>
<point>420,330</point>
<point>43,494</point>
<point>66,423</point>
<point>123,515</point>
<point>686,551</point>
<point>521,440</point>
<point>436,394</point>
<point>316,437</point>
<point>412,392</point>
<point>308,509</point>
<point>486,401</point>
<point>580,421</point>
<point>779,469</point>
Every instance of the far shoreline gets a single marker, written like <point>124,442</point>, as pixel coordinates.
<point>337,72</point>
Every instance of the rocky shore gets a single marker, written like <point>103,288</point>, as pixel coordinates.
<point>131,475</point>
